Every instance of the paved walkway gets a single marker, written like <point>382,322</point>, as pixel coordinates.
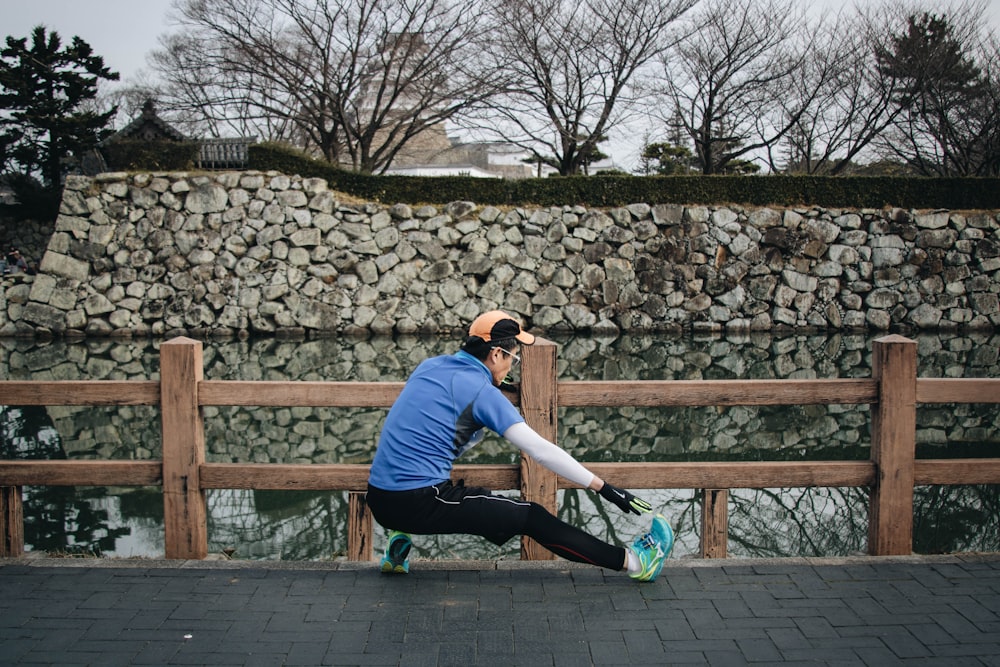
<point>859,611</point>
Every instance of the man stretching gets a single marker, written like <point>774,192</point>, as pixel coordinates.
<point>440,414</point>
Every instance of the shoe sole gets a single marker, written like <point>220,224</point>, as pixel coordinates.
<point>389,568</point>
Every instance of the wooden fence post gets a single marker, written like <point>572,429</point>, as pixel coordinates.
<point>714,523</point>
<point>11,522</point>
<point>894,424</point>
<point>539,405</point>
<point>184,508</point>
<point>359,528</point>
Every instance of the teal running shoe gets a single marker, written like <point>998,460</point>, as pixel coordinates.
<point>652,549</point>
<point>397,552</point>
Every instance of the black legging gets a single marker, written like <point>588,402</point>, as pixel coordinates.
<point>448,508</point>
<point>569,542</point>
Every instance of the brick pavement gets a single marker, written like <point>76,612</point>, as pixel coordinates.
<point>860,611</point>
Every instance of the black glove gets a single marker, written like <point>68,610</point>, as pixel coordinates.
<point>509,385</point>
<point>625,500</point>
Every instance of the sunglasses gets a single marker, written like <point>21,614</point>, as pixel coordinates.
<point>515,360</point>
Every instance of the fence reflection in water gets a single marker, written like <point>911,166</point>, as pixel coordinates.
<point>309,525</point>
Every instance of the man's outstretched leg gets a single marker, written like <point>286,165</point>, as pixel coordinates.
<point>643,560</point>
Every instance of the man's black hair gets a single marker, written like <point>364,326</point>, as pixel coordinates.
<point>480,349</point>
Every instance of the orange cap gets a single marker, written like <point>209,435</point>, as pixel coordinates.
<point>497,325</point>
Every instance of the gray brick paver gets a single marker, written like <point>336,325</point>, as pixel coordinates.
<point>347,642</point>
<point>989,650</point>
<point>495,642</point>
<point>949,662</point>
<point>571,623</point>
<point>737,608</point>
<point>726,659</point>
<point>14,648</point>
<point>306,653</point>
<point>610,652</point>
<point>974,612</point>
<point>815,626</point>
<point>787,639</point>
<point>840,617</point>
<point>759,650</point>
<point>829,657</point>
<point>644,646</point>
<point>486,660</point>
<point>699,646</point>
<point>688,658</point>
<point>878,656</point>
<point>758,601</point>
<point>906,646</point>
<point>528,649</point>
<point>956,625</point>
<point>209,658</point>
<point>672,630</point>
<point>156,653</point>
<point>703,619</point>
<point>418,659</point>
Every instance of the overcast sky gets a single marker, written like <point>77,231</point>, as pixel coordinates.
<point>121,31</point>
<point>124,31</point>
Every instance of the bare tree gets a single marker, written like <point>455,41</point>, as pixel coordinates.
<point>354,80</point>
<point>864,105</point>
<point>741,81</point>
<point>854,103</point>
<point>573,69</point>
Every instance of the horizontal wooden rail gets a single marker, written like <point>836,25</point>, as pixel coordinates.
<point>80,392</point>
<point>956,471</point>
<point>751,475</point>
<point>748,475</point>
<point>665,393</point>
<point>958,390</point>
<point>354,477</point>
<point>299,394</point>
<point>572,393</point>
<point>81,473</point>
<point>333,476</point>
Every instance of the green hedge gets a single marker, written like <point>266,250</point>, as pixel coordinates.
<point>135,155</point>
<point>608,191</point>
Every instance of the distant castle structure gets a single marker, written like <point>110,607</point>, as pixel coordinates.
<point>213,152</point>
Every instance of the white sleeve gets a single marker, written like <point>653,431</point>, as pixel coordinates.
<point>550,455</point>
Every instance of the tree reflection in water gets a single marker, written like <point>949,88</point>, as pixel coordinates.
<point>57,519</point>
<point>312,525</point>
<point>801,521</point>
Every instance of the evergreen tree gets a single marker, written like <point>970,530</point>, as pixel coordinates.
<point>668,159</point>
<point>929,59</point>
<point>950,122</point>
<point>44,91</point>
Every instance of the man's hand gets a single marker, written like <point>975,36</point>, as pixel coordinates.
<point>510,388</point>
<point>625,500</point>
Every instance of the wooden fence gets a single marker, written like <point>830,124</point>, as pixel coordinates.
<point>231,153</point>
<point>891,473</point>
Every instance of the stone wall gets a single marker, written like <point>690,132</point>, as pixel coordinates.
<point>164,254</point>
